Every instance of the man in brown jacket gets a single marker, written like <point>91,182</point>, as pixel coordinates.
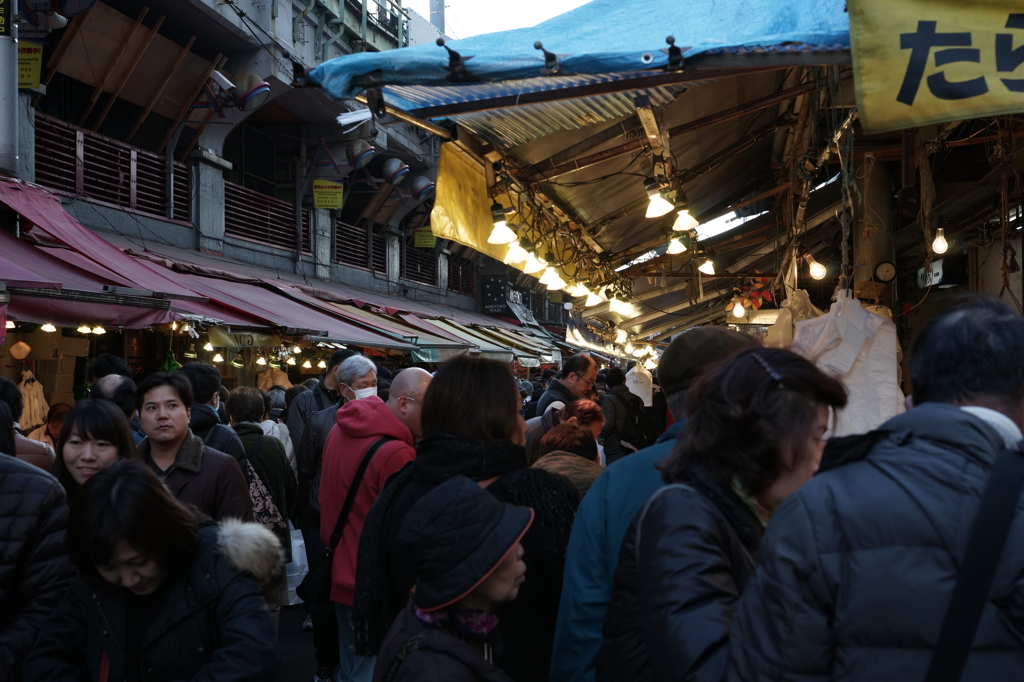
<point>194,473</point>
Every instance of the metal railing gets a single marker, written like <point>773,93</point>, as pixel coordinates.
<point>263,219</point>
<point>351,245</point>
<point>419,265</point>
<point>460,277</point>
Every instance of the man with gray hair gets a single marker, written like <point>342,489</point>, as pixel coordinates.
<point>383,434</point>
<point>119,390</point>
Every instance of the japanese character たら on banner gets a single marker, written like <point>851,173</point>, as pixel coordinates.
<point>929,61</point>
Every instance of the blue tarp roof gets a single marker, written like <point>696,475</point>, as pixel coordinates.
<point>602,37</point>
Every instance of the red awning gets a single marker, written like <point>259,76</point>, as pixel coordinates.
<point>71,313</point>
<point>43,209</point>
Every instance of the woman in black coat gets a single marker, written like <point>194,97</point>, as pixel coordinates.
<point>158,597</point>
<point>754,433</point>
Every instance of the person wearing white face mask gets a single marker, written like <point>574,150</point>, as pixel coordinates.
<point>384,434</point>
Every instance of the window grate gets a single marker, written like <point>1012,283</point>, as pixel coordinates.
<point>262,219</point>
<point>419,265</point>
<point>351,245</point>
<point>460,276</point>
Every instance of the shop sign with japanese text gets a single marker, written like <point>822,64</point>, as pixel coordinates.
<point>6,17</point>
<point>221,338</point>
<point>424,238</point>
<point>918,62</point>
<point>30,63</point>
<point>327,193</point>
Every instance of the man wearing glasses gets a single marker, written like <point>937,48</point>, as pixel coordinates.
<point>577,376</point>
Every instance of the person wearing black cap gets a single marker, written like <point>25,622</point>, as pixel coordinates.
<point>465,544</point>
<point>615,498</point>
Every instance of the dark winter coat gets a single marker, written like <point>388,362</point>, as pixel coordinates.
<point>615,408</point>
<point>271,466</point>
<point>556,392</point>
<point>34,567</point>
<point>858,566</point>
<point>678,583</point>
<point>306,404</point>
<point>213,625</point>
<point>438,656</point>
<point>206,478</point>
<point>309,457</point>
<point>205,423</point>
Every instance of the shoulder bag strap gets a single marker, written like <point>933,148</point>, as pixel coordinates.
<point>353,489</point>
<point>988,536</point>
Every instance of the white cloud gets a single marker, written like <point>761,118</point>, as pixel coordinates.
<point>464,18</point>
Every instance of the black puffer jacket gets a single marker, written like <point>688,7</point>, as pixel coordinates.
<point>672,600</point>
<point>858,566</point>
<point>309,460</point>
<point>205,423</point>
<point>34,568</point>
<point>213,626</point>
<point>306,404</point>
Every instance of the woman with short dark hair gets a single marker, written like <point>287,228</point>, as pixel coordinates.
<point>160,595</point>
<point>95,434</point>
<point>471,427</point>
<point>755,432</point>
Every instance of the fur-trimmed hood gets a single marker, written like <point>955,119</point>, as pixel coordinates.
<point>251,547</point>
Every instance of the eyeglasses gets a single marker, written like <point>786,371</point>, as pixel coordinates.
<point>410,398</point>
<point>588,382</point>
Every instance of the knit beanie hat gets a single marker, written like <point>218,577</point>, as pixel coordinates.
<point>693,351</point>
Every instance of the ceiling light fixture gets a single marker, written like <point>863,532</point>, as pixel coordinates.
<point>940,245</point>
<point>816,268</point>
<point>738,311</point>
<point>626,309</point>
<point>191,352</point>
<point>533,265</point>
<point>621,336</point>
<point>208,347</point>
<point>10,324</point>
<point>579,289</point>
<point>218,358</point>
<point>501,234</point>
<point>291,360</point>
<point>707,267</point>
<point>685,221</point>
<point>658,206</point>
<point>515,254</point>
<point>592,300</point>
<point>99,330</point>
<point>261,361</point>
<point>296,350</point>
<point>239,361</point>
<point>322,364</point>
<point>552,279</point>
<point>48,328</point>
<point>629,348</point>
<point>306,364</point>
<point>84,329</point>
<point>675,247</point>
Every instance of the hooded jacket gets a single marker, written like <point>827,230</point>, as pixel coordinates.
<point>858,566</point>
<point>212,625</point>
<point>205,423</point>
<point>580,471</point>
<point>436,657</point>
<point>306,404</point>
<point>360,423</point>
<point>34,567</point>
<point>206,478</point>
<point>309,460</point>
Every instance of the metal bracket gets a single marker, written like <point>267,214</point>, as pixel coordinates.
<point>551,64</point>
<point>457,66</point>
<point>375,101</point>
<point>675,55</point>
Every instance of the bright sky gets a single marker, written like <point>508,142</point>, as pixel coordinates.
<point>464,18</point>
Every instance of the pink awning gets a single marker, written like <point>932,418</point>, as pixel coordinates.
<point>70,313</point>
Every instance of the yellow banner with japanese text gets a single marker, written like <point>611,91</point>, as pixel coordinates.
<point>918,62</point>
<point>30,63</point>
<point>328,193</point>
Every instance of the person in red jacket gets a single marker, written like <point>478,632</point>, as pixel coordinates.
<point>361,423</point>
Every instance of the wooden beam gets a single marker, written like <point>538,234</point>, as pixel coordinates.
<point>218,63</point>
<point>128,72</point>
<point>160,89</point>
<point>55,59</point>
<point>113,65</point>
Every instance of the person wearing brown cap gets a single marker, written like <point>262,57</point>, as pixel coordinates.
<point>614,499</point>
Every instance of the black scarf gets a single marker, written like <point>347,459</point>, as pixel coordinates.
<point>438,458</point>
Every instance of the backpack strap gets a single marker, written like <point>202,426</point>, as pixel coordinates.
<point>410,647</point>
<point>988,536</point>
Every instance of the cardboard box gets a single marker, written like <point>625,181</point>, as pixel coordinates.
<point>55,398</point>
<point>45,345</point>
<point>57,383</point>
<point>75,347</point>
<point>61,366</point>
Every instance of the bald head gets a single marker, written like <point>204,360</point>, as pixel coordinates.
<point>406,397</point>
<point>118,389</point>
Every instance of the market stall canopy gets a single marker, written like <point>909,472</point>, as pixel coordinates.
<point>600,37</point>
<point>488,348</point>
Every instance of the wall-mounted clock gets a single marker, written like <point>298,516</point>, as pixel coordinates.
<point>885,272</point>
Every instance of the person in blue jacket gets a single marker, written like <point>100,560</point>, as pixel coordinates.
<point>615,498</point>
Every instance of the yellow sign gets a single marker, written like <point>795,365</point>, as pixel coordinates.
<point>30,63</point>
<point>220,338</point>
<point>425,239</point>
<point>327,193</point>
<point>929,61</point>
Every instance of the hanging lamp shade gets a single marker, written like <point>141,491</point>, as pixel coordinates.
<point>395,171</point>
<point>658,205</point>
<point>684,221</point>
<point>251,92</point>
<point>359,153</point>
<point>422,188</point>
<point>515,254</point>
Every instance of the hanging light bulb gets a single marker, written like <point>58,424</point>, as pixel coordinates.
<point>816,268</point>
<point>184,328</point>
<point>650,364</point>
<point>296,350</point>
<point>579,289</point>
<point>639,352</point>
<point>684,221</point>
<point>626,309</point>
<point>658,206</point>
<point>707,267</point>
<point>10,324</point>
<point>261,361</point>
<point>99,330</point>
<point>552,280</point>
<point>613,304</point>
<point>592,300</point>
<point>191,352</point>
<point>501,234</point>
<point>322,364</point>
<point>291,360</point>
<point>675,246</point>
<point>533,265</point>
<point>48,328</point>
<point>218,358</point>
<point>306,364</point>
<point>174,326</point>
<point>515,254</point>
<point>738,311</point>
<point>940,245</point>
<point>208,347</point>
<point>239,361</point>
<point>84,329</point>
<point>629,349</point>
<point>620,336</point>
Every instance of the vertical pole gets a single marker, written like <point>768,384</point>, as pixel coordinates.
<point>398,16</point>
<point>169,168</point>
<point>363,27</point>
<point>79,162</point>
<point>133,180</point>
<point>8,89</point>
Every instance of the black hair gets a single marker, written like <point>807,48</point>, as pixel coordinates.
<point>338,357</point>
<point>122,394</point>
<point>205,380</point>
<point>11,394</point>
<point>105,364</point>
<point>573,438</point>
<point>750,417</point>
<point>974,349</point>
<point>8,444</point>
<point>547,374</point>
<point>472,398</point>
<point>245,404</point>
<point>615,377</point>
<point>578,364</point>
<point>181,385</point>
<point>127,501</point>
<point>95,419</point>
